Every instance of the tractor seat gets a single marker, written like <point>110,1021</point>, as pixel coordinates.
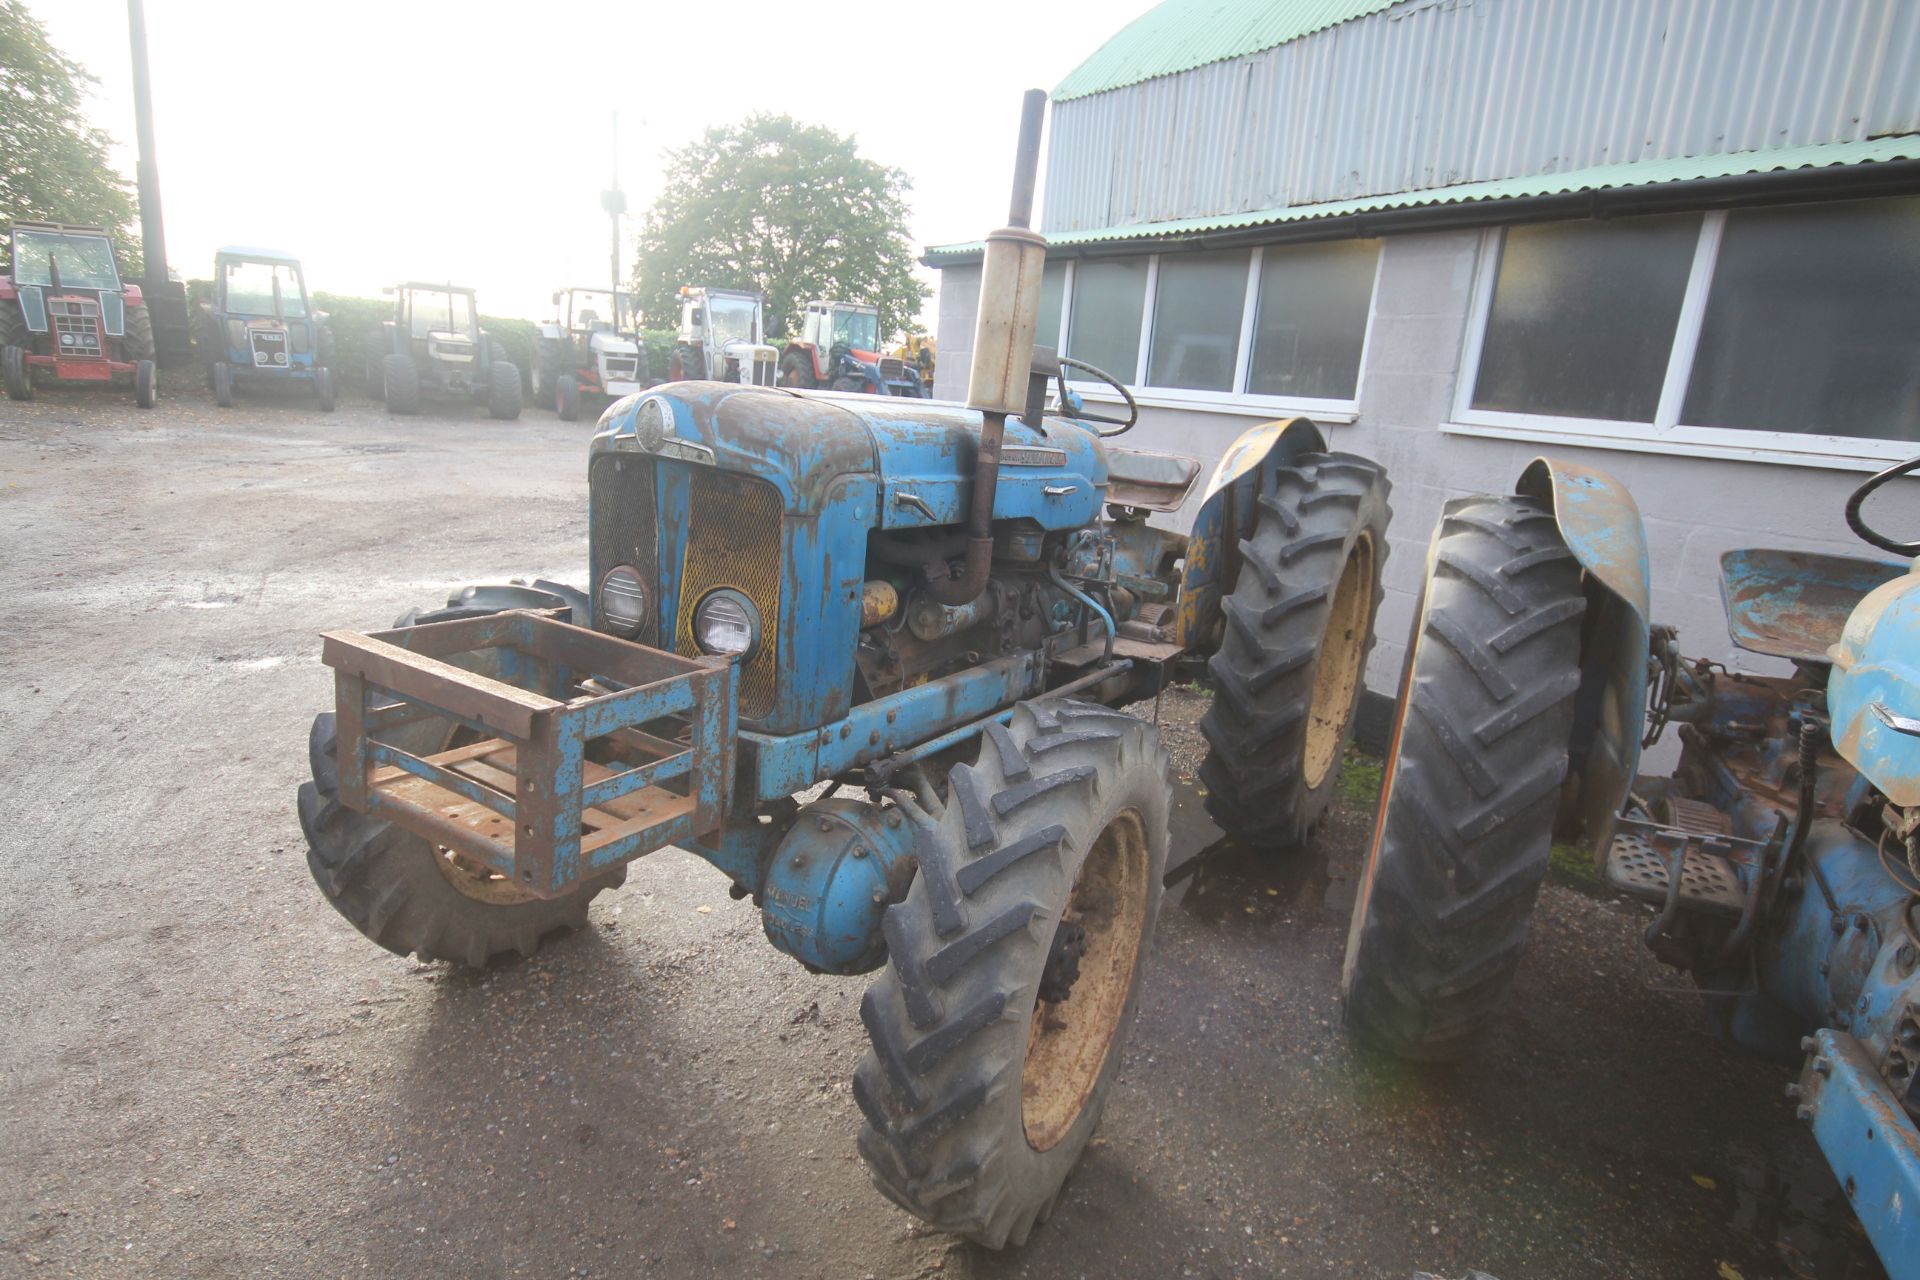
<point>1794,604</point>
<point>1150,481</point>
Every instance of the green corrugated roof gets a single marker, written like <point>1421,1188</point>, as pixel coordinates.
<point>1601,178</point>
<point>1177,35</point>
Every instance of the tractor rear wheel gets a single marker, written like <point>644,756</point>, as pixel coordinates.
<point>410,896</point>
<point>16,372</point>
<point>139,328</point>
<point>1291,666</point>
<point>1472,784</point>
<point>566,397</point>
<point>1014,966</point>
<point>401,384</point>
<point>796,370</point>
<point>222,375</point>
<point>503,390</point>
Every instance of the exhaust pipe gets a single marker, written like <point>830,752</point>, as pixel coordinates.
<point>1009,313</point>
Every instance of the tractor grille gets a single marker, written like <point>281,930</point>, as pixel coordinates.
<point>733,540</point>
<point>621,489</point>
<point>76,326</point>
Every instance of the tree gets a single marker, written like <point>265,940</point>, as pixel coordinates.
<point>53,164</point>
<point>789,209</point>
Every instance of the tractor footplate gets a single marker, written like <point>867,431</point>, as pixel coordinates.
<point>567,779</point>
<point>1640,862</point>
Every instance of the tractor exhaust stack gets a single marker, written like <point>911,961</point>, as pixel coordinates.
<point>1009,313</point>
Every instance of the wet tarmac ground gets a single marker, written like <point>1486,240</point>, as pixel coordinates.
<point>205,1072</point>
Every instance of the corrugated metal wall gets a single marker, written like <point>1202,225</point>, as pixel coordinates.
<point>1435,92</point>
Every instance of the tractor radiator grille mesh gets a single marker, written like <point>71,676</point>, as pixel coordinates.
<point>623,532</point>
<point>76,326</point>
<point>734,541</point>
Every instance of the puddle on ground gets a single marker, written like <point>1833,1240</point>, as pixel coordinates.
<point>1216,879</point>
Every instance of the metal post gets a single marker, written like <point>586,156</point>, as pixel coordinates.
<point>153,238</point>
<point>614,201</point>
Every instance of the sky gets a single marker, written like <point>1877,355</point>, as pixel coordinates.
<point>428,139</point>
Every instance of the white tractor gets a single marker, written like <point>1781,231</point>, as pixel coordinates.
<point>723,338</point>
<point>587,351</point>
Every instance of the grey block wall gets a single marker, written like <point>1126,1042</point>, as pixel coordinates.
<point>1694,508</point>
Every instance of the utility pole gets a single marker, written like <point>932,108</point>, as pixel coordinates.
<point>166,302</point>
<point>614,201</point>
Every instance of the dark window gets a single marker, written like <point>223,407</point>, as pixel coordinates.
<point>1197,303</point>
<point>1311,320</point>
<point>1583,317</point>
<point>1813,323</point>
<point>1107,300</point>
<point>1052,284</point>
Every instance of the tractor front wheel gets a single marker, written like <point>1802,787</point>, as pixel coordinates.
<point>1291,666</point>
<point>566,397</point>
<point>413,897</point>
<point>1014,964</point>
<point>18,375</point>
<point>503,390</point>
<point>146,383</point>
<point>323,388</point>
<point>401,384</point>
<point>1472,784</point>
<point>222,384</point>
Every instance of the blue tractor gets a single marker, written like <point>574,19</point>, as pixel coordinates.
<point>1782,858</point>
<point>260,326</point>
<point>864,655</point>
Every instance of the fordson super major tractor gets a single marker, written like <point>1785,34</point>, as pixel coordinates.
<point>64,310</point>
<point>839,347</point>
<point>260,326</point>
<point>1782,859</point>
<point>434,345</point>
<point>934,608</point>
<point>586,354</point>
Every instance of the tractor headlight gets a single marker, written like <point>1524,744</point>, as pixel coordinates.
<point>726,624</point>
<point>653,423</point>
<point>623,601</point>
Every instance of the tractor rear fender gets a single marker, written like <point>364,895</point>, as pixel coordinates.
<point>1226,517</point>
<point>1600,524</point>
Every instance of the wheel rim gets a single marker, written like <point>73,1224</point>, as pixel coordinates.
<point>1068,1042</point>
<point>1343,650</point>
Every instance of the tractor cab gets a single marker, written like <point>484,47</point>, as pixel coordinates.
<point>722,337</point>
<point>839,347</point>
<point>588,350</point>
<point>260,325</point>
<point>64,311</point>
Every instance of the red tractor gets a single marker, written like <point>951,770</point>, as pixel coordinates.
<point>64,309</point>
<point>839,347</point>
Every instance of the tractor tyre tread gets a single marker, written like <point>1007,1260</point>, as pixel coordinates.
<point>503,390</point>
<point>13,325</point>
<point>401,383</point>
<point>1473,782</point>
<point>1276,619</point>
<point>382,879</point>
<point>566,397</point>
<point>941,1085</point>
<point>139,333</point>
<point>16,372</point>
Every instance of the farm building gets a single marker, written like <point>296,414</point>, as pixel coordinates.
<point>1678,240</point>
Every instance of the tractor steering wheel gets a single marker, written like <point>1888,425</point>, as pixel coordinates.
<point>1121,425</point>
<point>1859,525</point>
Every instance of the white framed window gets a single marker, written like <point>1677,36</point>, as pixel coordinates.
<point>1786,333</point>
<point>1271,330</point>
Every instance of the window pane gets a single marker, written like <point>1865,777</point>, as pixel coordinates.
<point>1312,318</point>
<point>1052,283</point>
<point>1107,300</point>
<point>1583,317</point>
<point>1196,320</point>
<point>1813,323</point>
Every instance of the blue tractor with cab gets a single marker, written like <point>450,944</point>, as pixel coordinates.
<point>864,655</point>
<point>260,326</point>
<point>1781,860</point>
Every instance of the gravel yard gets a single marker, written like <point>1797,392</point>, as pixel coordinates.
<point>205,1072</point>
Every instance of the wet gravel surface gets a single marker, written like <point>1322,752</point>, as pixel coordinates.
<point>205,1072</point>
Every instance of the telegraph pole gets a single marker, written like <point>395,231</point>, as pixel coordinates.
<point>614,201</point>
<point>166,301</point>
